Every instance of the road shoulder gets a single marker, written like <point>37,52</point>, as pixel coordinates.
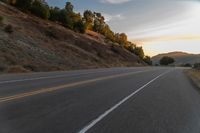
<point>194,76</point>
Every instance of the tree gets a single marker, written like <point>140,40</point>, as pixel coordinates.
<point>89,19</point>
<point>40,9</point>
<point>68,17</point>
<point>79,26</point>
<point>99,23</point>
<point>122,39</point>
<point>65,18</point>
<point>54,14</point>
<point>24,4</point>
<point>131,47</point>
<point>147,60</point>
<point>69,7</point>
<point>166,60</point>
<point>139,52</point>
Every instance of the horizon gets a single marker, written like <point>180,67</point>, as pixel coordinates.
<point>157,26</point>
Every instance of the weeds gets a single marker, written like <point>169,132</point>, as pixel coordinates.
<point>17,69</point>
<point>51,33</point>
<point>2,67</point>
<point>9,29</point>
<point>1,19</point>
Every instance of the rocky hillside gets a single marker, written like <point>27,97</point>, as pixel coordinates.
<point>28,43</point>
<point>180,58</point>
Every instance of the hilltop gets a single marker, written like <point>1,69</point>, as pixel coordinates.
<point>180,57</point>
<point>29,43</point>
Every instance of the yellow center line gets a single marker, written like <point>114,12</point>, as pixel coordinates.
<point>46,90</point>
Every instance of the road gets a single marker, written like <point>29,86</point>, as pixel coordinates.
<point>117,100</point>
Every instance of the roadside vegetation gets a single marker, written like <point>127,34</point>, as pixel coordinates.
<point>166,61</point>
<point>9,29</point>
<point>194,74</point>
<point>197,66</point>
<point>67,17</point>
<point>1,19</point>
<point>32,44</point>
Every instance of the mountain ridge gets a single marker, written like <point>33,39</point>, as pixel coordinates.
<point>179,56</point>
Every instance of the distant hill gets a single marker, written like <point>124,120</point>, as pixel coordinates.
<point>33,44</point>
<point>180,58</point>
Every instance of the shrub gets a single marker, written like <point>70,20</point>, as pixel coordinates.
<point>17,69</point>
<point>197,65</point>
<point>5,1</point>
<point>11,2</point>
<point>9,29</point>
<point>1,19</point>
<point>137,51</point>
<point>187,65</point>
<point>51,33</point>
<point>54,14</point>
<point>24,4</point>
<point>79,27</point>
<point>115,48</point>
<point>2,67</point>
<point>31,67</point>
<point>147,60</point>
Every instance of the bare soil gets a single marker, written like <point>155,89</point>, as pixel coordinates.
<point>36,45</point>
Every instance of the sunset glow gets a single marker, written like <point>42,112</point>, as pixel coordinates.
<point>157,25</point>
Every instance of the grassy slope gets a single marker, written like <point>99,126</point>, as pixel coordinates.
<point>40,45</point>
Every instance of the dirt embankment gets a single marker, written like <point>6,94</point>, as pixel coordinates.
<point>32,44</point>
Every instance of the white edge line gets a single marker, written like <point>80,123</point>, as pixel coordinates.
<point>94,122</point>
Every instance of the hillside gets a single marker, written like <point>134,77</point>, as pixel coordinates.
<point>180,58</point>
<point>34,44</point>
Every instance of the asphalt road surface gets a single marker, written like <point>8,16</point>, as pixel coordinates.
<point>117,100</point>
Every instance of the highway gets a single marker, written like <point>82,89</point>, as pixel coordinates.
<point>115,100</point>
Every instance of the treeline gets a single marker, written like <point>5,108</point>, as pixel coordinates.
<point>66,16</point>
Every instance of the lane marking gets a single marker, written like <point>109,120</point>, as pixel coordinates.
<point>45,77</point>
<point>46,90</point>
<point>52,77</point>
<point>98,119</point>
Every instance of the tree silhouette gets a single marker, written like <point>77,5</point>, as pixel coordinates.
<point>166,60</point>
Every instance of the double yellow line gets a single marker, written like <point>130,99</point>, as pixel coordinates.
<point>47,90</point>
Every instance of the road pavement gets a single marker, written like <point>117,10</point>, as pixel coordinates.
<point>117,100</point>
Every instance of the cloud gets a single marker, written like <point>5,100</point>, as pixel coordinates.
<point>114,1</point>
<point>109,17</point>
<point>149,40</point>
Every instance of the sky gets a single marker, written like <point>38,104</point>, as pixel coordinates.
<point>159,26</point>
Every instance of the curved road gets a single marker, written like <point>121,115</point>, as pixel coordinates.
<point>117,100</point>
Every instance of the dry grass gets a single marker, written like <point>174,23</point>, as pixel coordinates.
<point>40,45</point>
<point>17,69</point>
<point>1,19</point>
<point>9,29</point>
<point>194,75</point>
